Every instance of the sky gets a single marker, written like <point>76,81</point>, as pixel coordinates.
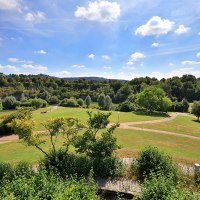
<point>120,39</point>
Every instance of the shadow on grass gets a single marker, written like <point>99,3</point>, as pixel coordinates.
<point>195,120</point>
<point>152,114</point>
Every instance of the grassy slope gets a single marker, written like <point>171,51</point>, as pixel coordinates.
<point>181,124</point>
<point>81,114</point>
<point>131,141</point>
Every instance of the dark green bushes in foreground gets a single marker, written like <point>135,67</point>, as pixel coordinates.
<point>21,183</point>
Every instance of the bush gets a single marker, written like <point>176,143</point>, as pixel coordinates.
<point>9,102</point>
<point>151,160</point>
<point>108,167</point>
<point>69,103</point>
<point>126,107</point>
<point>66,164</point>
<point>80,102</point>
<point>54,100</point>
<point>163,187</point>
<point>38,103</point>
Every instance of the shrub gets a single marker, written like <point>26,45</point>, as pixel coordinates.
<point>80,102</point>
<point>126,107</point>
<point>88,101</point>
<point>108,103</point>
<point>38,103</point>
<point>101,100</point>
<point>163,187</point>
<point>54,100</point>
<point>151,160</point>
<point>108,167</point>
<point>69,103</point>
<point>9,102</point>
<point>66,164</point>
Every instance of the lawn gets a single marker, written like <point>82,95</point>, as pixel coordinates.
<point>182,149</point>
<point>181,124</point>
<point>81,114</point>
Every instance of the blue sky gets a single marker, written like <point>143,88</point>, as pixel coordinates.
<point>114,39</point>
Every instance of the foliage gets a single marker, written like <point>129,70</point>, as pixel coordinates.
<point>108,103</point>
<point>186,105</point>
<point>38,103</point>
<point>88,101</point>
<point>126,107</point>
<point>67,164</point>
<point>151,160</point>
<point>80,102</point>
<point>153,98</point>
<point>9,102</point>
<point>159,187</point>
<point>54,100</point>
<point>123,93</point>
<point>101,100</point>
<point>69,103</point>
<point>45,185</point>
<point>196,109</point>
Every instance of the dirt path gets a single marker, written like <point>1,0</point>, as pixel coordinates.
<point>124,125</point>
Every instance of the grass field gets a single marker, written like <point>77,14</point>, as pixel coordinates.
<point>81,114</point>
<point>181,124</point>
<point>182,149</point>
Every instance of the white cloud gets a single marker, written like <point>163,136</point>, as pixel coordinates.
<point>198,55</point>
<point>8,67</point>
<point>155,26</point>
<point>35,16</point>
<point>101,10</point>
<point>10,5</point>
<point>171,64</point>
<point>182,29</point>
<point>78,66</point>
<point>41,51</point>
<point>91,56</point>
<point>190,62</point>
<point>13,59</point>
<point>107,67</point>
<point>37,68</point>
<point>130,63</point>
<point>155,44</point>
<point>61,74</point>
<point>178,72</point>
<point>198,33</point>
<point>136,56</point>
<point>106,57</point>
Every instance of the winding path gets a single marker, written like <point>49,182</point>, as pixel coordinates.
<point>128,125</point>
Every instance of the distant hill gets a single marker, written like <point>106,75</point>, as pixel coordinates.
<point>90,79</point>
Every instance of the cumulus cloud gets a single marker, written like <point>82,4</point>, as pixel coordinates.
<point>13,59</point>
<point>155,26</point>
<point>190,62</point>
<point>178,72</point>
<point>106,57</point>
<point>37,68</point>
<point>78,66</point>
<point>130,63</point>
<point>136,56</point>
<point>155,44</point>
<point>8,67</point>
<point>198,55</point>
<point>10,5</point>
<point>41,51</point>
<point>61,74</point>
<point>102,11</point>
<point>91,56</point>
<point>182,29</point>
<point>35,16</point>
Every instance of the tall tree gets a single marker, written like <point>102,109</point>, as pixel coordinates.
<point>196,109</point>
<point>88,101</point>
<point>101,100</point>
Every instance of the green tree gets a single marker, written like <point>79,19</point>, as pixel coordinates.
<point>186,105</point>
<point>88,101</point>
<point>9,102</point>
<point>108,103</point>
<point>101,100</point>
<point>80,102</point>
<point>153,98</point>
<point>166,104</point>
<point>196,109</point>
<point>38,103</point>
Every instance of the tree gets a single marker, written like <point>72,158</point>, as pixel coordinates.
<point>54,100</point>
<point>38,103</point>
<point>88,101</point>
<point>166,104</point>
<point>9,102</point>
<point>153,98</point>
<point>123,93</point>
<point>186,105</point>
<point>80,102</point>
<point>196,109</point>
<point>101,100</point>
<point>108,103</point>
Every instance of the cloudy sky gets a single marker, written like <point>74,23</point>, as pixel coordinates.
<point>107,38</point>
